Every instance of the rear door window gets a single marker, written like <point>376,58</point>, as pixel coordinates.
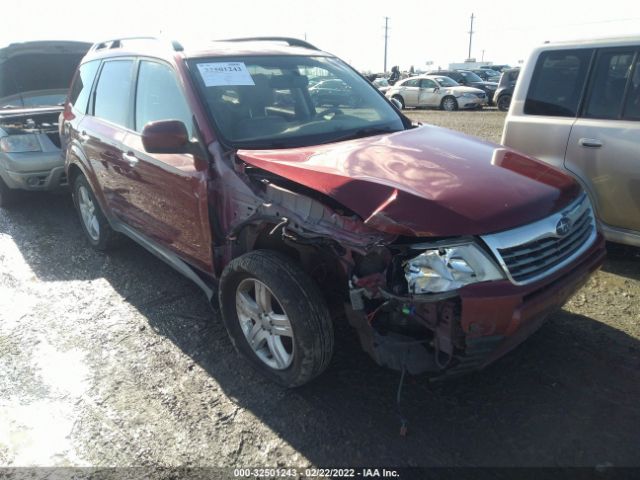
<point>558,82</point>
<point>632,103</point>
<point>79,96</point>
<point>113,92</point>
<point>159,96</point>
<point>610,76</point>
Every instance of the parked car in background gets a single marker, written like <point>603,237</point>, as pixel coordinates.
<point>436,91</point>
<point>333,92</point>
<point>469,79</point>
<point>487,75</point>
<point>496,68</point>
<point>382,84</point>
<point>34,79</point>
<point>443,251</point>
<point>505,88</point>
<point>576,106</point>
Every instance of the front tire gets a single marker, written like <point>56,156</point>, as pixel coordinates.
<point>400,100</point>
<point>503,103</point>
<point>94,224</point>
<point>450,104</point>
<point>276,317</point>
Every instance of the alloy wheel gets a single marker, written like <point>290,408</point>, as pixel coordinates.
<point>265,324</point>
<point>88,213</point>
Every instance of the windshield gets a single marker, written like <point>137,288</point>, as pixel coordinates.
<point>471,77</point>
<point>269,102</point>
<point>36,79</point>
<point>446,82</point>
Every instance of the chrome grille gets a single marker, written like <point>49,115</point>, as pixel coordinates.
<point>536,250</point>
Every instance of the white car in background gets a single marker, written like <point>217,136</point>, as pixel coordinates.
<point>436,91</point>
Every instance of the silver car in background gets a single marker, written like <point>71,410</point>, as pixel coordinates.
<point>576,106</point>
<point>436,91</point>
<point>34,79</point>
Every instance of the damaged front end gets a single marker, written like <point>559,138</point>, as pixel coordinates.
<point>400,295</point>
<point>30,155</point>
<point>405,303</point>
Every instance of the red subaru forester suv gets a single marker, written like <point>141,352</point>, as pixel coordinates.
<point>443,251</point>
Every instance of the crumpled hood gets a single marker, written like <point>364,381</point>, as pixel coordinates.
<point>426,181</point>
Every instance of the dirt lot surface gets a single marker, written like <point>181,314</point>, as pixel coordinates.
<point>116,360</point>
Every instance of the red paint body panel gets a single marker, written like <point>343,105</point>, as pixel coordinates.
<point>515,312</point>
<point>428,181</point>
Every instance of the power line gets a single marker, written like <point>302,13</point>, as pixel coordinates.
<point>470,37</point>
<point>386,41</point>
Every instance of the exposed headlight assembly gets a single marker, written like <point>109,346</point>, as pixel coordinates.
<point>446,268</point>
<point>20,144</point>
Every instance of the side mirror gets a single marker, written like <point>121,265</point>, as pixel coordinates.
<point>165,136</point>
<point>436,89</point>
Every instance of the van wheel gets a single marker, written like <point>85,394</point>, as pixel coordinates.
<point>276,317</point>
<point>94,224</point>
<point>450,104</point>
<point>7,195</point>
<point>401,100</point>
<point>503,103</point>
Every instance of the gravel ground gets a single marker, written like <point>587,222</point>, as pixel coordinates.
<point>116,360</point>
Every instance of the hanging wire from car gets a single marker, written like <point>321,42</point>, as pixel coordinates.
<point>403,419</point>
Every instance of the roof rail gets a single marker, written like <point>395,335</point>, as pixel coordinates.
<point>117,43</point>
<point>293,42</point>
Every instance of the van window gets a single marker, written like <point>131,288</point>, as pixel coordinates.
<point>114,91</point>
<point>159,96</point>
<point>557,83</point>
<point>632,105</point>
<point>81,88</point>
<point>612,70</point>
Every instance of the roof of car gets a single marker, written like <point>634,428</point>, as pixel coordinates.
<point>163,48</point>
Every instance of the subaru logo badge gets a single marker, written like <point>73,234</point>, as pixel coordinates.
<point>563,226</point>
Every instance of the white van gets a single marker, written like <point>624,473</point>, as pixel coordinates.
<point>577,106</point>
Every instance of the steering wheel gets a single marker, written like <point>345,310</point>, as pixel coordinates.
<point>333,110</point>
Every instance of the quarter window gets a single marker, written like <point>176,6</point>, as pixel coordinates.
<point>557,83</point>
<point>114,91</point>
<point>159,96</point>
<point>411,83</point>
<point>611,73</point>
<point>81,88</point>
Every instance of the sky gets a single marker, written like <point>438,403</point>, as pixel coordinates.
<point>419,31</point>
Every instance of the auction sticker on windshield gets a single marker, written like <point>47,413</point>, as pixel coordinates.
<point>225,74</point>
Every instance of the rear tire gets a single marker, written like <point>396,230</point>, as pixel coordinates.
<point>7,195</point>
<point>503,103</point>
<point>449,103</point>
<point>401,100</point>
<point>94,224</point>
<point>276,317</point>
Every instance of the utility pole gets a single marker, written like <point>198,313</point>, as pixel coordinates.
<point>470,36</point>
<point>386,41</point>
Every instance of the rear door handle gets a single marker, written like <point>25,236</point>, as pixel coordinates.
<point>130,158</point>
<point>590,142</point>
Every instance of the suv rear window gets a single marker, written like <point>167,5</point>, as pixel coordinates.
<point>558,82</point>
<point>632,105</point>
<point>114,92</point>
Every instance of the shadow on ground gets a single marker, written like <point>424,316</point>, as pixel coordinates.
<point>567,396</point>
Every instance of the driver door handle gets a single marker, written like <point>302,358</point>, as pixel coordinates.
<point>130,158</point>
<point>590,142</point>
